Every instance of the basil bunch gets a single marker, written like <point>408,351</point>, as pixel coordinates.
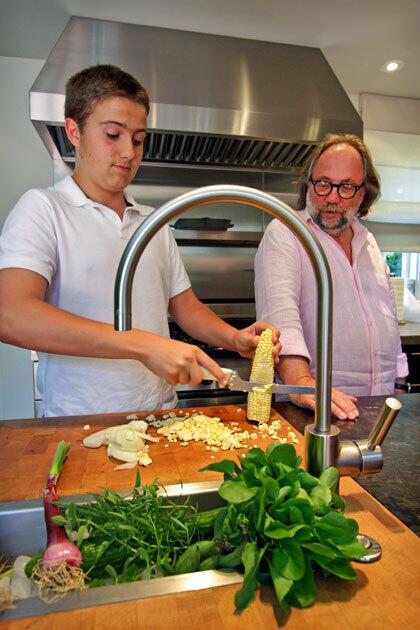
<point>286,522</point>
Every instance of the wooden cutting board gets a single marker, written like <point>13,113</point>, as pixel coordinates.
<point>27,448</point>
<point>383,596</point>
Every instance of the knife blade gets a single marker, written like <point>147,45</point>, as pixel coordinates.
<point>236,383</point>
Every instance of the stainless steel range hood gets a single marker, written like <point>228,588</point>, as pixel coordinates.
<point>217,102</point>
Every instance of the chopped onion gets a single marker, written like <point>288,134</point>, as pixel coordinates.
<point>126,466</point>
<point>125,442</point>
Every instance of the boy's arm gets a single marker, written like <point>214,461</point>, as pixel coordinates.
<point>201,323</point>
<point>27,321</point>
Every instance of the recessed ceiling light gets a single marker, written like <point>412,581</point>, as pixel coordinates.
<point>392,66</point>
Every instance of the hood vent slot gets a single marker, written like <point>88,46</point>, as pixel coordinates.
<point>223,151</point>
<point>208,150</point>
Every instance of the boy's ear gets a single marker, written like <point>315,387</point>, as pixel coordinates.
<point>72,131</point>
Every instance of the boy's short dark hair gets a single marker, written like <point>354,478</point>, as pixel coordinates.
<point>86,88</point>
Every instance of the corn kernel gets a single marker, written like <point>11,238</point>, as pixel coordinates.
<point>203,428</point>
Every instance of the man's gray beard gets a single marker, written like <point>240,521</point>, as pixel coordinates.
<point>343,221</point>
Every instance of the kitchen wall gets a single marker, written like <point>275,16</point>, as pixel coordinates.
<point>24,163</point>
<point>392,133</point>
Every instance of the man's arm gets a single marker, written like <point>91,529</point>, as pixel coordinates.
<point>27,321</point>
<point>294,370</point>
<point>203,324</point>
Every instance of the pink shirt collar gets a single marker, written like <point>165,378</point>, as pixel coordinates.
<point>360,233</point>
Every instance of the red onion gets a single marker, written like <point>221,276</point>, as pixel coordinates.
<point>59,546</point>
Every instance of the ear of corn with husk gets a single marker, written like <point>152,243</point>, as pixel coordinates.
<point>259,399</point>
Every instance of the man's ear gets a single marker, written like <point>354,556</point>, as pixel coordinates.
<point>72,131</point>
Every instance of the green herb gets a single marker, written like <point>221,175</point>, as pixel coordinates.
<point>279,524</point>
<point>128,540</point>
<point>284,524</point>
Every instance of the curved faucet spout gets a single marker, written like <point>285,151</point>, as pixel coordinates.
<point>275,208</point>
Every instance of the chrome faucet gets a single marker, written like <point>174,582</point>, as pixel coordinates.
<point>323,447</point>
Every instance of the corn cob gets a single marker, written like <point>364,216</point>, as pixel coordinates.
<point>259,399</point>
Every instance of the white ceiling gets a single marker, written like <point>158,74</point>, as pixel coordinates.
<point>356,36</point>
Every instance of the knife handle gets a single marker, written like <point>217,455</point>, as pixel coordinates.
<point>208,376</point>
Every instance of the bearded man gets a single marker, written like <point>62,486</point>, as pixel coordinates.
<point>338,185</point>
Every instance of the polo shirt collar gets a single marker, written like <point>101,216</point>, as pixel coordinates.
<point>143,210</point>
<point>72,194</point>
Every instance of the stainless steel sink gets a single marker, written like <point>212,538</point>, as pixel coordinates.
<point>22,531</point>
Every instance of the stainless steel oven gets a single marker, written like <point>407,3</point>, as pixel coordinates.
<point>218,246</point>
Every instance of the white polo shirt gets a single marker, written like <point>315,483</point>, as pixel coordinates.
<point>76,245</point>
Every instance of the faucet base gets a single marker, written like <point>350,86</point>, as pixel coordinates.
<point>321,449</point>
<point>373,547</point>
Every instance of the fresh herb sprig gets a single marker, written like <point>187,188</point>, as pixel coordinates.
<point>279,524</point>
<point>132,539</point>
<point>286,523</point>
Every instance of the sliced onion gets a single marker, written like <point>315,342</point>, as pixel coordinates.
<point>118,453</point>
<point>94,440</point>
<point>126,466</point>
<point>149,437</point>
<point>128,440</point>
<point>138,425</point>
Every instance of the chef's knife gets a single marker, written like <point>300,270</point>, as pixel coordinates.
<point>236,383</point>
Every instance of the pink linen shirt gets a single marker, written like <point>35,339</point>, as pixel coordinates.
<point>367,354</point>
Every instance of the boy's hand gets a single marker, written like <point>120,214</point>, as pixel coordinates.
<point>177,362</point>
<point>245,341</point>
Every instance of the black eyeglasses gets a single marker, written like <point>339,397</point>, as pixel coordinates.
<point>323,188</point>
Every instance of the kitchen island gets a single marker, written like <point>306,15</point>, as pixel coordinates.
<point>381,596</point>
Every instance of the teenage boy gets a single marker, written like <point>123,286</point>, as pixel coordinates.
<point>59,254</point>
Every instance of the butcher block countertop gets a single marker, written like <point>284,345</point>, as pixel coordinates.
<point>382,596</point>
